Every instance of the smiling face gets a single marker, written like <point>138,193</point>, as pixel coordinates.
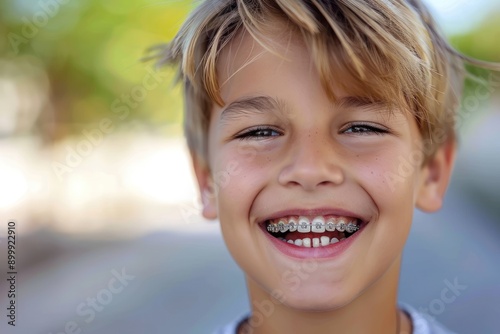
<point>280,150</point>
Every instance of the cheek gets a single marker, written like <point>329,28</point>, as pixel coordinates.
<point>239,173</point>
<point>391,175</point>
<point>390,181</point>
<point>240,176</point>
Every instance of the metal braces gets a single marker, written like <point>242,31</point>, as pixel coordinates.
<point>329,226</point>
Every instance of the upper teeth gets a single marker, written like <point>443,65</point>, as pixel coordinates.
<point>317,225</point>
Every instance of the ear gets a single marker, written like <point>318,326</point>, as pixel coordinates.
<point>435,177</point>
<point>206,186</point>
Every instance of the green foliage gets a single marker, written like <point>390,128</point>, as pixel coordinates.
<point>91,51</point>
<point>483,41</point>
<point>480,43</point>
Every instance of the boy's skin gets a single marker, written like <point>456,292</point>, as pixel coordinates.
<point>312,161</point>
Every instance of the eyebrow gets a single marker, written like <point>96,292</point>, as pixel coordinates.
<point>252,105</point>
<point>260,104</point>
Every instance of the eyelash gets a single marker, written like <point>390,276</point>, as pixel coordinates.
<point>362,129</point>
<point>366,129</point>
<point>252,133</point>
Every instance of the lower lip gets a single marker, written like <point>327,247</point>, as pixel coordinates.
<point>321,252</point>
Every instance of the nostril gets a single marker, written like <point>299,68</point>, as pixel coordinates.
<point>324,183</point>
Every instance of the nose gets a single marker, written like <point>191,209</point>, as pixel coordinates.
<point>312,163</point>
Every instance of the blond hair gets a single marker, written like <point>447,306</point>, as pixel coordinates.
<point>391,49</point>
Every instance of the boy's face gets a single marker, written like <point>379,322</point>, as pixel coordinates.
<point>280,148</point>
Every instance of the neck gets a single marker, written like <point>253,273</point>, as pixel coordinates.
<point>373,311</point>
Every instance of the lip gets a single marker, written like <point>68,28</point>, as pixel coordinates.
<point>314,212</point>
<point>322,252</point>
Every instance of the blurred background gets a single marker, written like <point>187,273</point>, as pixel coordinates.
<point>95,173</point>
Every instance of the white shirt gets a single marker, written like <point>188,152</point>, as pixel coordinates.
<point>422,323</point>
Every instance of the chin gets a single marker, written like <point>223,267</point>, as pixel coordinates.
<point>317,300</point>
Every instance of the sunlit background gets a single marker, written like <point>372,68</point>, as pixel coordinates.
<point>94,170</point>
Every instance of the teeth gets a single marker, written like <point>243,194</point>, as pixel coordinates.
<point>282,226</point>
<point>325,241</point>
<point>315,242</point>
<point>306,242</point>
<point>273,228</point>
<point>304,225</point>
<point>341,225</point>
<point>330,224</point>
<point>318,225</point>
<point>351,228</point>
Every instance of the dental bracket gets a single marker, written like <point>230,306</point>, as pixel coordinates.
<point>341,226</point>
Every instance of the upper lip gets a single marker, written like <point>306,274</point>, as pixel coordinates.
<point>314,212</point>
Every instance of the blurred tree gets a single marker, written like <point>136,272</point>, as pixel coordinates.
<point>482,42</point>
<point>91,51</point>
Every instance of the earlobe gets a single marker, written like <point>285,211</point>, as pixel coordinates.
<point>436,174</point>
<point>206,187</point>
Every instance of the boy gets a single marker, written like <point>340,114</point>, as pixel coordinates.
<point>315,128</point>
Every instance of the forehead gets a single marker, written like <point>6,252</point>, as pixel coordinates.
<point>277,77</point>
<point>247,61</point>
<point>249,66</point>
<point>281,76</point>
<point>280,65</point>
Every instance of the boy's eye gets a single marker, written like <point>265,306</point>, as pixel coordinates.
<point>258,133</point>
<point>364,129</point>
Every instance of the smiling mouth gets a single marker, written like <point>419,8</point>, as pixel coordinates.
<point>317,231</point>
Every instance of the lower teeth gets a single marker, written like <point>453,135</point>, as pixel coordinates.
<point>315,242</point>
